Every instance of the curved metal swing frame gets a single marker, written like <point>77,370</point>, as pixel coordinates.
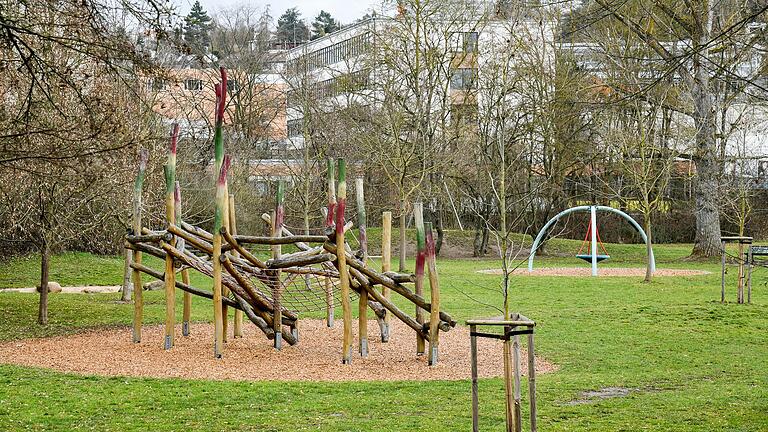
<point>593,221</point>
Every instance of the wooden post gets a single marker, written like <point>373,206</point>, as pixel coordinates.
<point>362,309</point>
<point>418,216</point>
<point>434,287</point>
<point>329,223</point>
<point>740,292</point>
<point>386,264</point>
<point>170,218</point>
<point>749,275</point>
<point>342,262</point>
<point>138,297</point>
<point>277,231</point>
<point>221,165</point>
<point>221,209</point>
<point>509,401</point>
<point>516,357</point>
<point>238,322</point>
<point>532,382</point>
<point>722,274</point>
<point>180,245</point>
<point>475,401</point>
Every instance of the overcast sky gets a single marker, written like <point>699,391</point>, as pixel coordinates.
<point>345,11</point>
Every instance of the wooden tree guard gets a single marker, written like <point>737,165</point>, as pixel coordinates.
<point>418,216</point>
<point>329,224</point>
<point>512,332</point>
<point>277,231</point>
<point>363,300</point>
<point>180,244</point>
<point>740,287</point>
<point>434,315</point>
<point>138,297</point>
<point>221,209</point>
<point>386,265</point>
<point>342,264</point>
<point>238,320</point>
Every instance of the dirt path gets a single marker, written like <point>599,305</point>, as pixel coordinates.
<point>607,271</point>
<point>315,358</point>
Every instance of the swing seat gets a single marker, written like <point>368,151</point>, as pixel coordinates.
<point>588,257</point>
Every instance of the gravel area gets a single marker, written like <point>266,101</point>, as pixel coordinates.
<point>607,271</point>
<point>317,356</point>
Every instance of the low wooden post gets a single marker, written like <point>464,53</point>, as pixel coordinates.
<point>386,264</point>
<point>138,295</point>
<point>180,245</point>
<point>238,320</point>
<point>509,400</point>
<point>722,274</point>
<point>434,287</point>
<point>329,224</point>
<point>221,209</point>
<point>418,216</point>
<point>342,262</point>
<point>362,309</point>
<point>475,398</point>
<point>532,382</point>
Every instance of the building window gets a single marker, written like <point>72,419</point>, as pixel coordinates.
<point>156,84</point>
<point>232,86</point>
<point>193,84</point>
<point>463,79</point>
<point>465,42</point>
<point>295,127</point>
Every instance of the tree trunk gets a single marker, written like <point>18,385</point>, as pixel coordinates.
<point>707,241</point>
<point>648,247</point>
<point>440,232</point>
<point>42,315</point>
<point>127,289</point>
<point>403,254</point>
<point>477,249</point>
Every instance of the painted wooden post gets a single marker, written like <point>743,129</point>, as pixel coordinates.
<point>238,321</point>
<point>363,303</point>
<point>418,216</point>
<point>138,297</point>
<point>277,231</point>
<point>221,165</point>
<point>532,381</point>
<point>187,297</point>
<point>386,264</point>
<point>434,286</point>
<point>475,398</point>
<point>170,218</point>
<point>342,261</point>
<point>221,208</point>
<point>329,223</point>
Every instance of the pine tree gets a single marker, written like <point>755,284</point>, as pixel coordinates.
<point>323,24</point>
<point>291,28</point>
<point>197,27</point>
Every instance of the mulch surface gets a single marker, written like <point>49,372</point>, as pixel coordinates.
<point>317,356</point>
<point>607,271</point>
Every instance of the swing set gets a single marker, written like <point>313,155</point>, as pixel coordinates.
<point>591,239</point>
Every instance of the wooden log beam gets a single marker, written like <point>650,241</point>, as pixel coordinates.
<point>197,242</point>
<point>203,234</point>
<point>149,238</point>
<point>245,253</point>
<point>280,240</point>
<point>299,261</point>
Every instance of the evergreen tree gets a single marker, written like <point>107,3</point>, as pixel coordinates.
<point>197,28</point>
<point>291,28</point>
<point>323,24</point>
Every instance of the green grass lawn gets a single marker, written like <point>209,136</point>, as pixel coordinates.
<point>693,363</point>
